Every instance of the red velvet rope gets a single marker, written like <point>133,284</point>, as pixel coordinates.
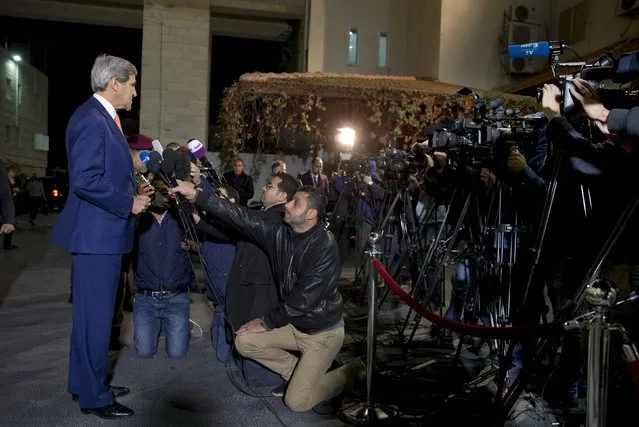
<point>463,328</point>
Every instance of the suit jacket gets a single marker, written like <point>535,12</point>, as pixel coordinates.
<point>243,183</point>
<point>97,217</point>
<point>322,184</point>
<point>7,208</point>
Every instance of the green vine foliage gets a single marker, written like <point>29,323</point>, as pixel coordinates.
<point>306,112</point>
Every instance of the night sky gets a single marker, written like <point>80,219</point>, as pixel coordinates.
<point>65,52</point>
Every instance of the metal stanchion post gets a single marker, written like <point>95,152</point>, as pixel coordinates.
<point>602,294</point>
<point>368,412</point>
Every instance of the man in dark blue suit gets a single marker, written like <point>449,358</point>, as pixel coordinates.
<point>96,227</point>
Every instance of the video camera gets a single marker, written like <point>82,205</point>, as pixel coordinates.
<point>491,131</point>
<point>353,165</point>
<point>623,70</point>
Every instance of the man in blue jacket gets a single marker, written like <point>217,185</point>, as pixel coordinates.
<point>96,227</point>
<point>163,275</point>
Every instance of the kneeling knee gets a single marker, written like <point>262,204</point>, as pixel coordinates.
<point>145,353</point>
<point>245,345</point>
<point>178,353</point>
<point>297,402</point>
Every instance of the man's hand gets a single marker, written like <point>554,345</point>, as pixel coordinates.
<point>186,189</point>
<point>550,101</point>
<point>487,177</point>
<point>251,327</point>
<point>594,109</point>
<point>441,158</point>
<point>196,218</point>
<point>195,174</point>
<point>412,182</point>
<point>516,161</point>
<point>140,203</point>
<point>189,245</point>
<point>7,228</point>
<point>367,180</point>
<point>145,189</point>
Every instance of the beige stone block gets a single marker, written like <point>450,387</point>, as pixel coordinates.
<point>201,65</point>
<point>198,106</point>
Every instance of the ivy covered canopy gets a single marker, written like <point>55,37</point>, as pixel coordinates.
<point>298,111</point>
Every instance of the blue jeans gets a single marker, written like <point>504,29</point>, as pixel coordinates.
<point>150,315</point>
<point>459,291</point>
<point>220,335</point>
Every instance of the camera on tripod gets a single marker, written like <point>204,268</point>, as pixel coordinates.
<point>397,161</point>
<point>623,70</point>
<point>353,165</point>
<point>491,133</point>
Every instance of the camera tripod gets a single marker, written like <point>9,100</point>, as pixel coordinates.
<point>497,273</point>
<point>441,248</point>
<point>401,218</point>
<point>399,224</point>
<point>545,344</point>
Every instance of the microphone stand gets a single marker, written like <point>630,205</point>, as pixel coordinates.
<point>368,412</point>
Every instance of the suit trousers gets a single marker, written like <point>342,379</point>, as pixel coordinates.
<point>309,383</point>
<point>95,282</point>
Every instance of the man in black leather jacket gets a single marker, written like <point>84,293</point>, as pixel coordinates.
<point>252,288</point>
<point>305,260</point>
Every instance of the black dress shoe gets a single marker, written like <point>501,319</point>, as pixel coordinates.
<point>114,410</point>
<point>117,392</point>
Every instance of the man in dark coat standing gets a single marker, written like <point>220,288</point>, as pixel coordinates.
<point>242,182</point>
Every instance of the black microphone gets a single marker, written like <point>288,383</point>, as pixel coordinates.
<point>156,166</point>
<point>168,167</point>
<point>166,170</point>
<point>182,169</point>
<point>154,163</point>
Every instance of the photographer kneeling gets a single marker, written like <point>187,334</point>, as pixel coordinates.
<point>305,259</point>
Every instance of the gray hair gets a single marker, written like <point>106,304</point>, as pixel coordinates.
<point>107,67</point>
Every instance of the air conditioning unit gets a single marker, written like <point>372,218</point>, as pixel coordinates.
<point>627,7</point>
<point>524,11</point>
<point>522,33</point>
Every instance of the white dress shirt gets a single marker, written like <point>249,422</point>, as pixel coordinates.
<point>106,104</point>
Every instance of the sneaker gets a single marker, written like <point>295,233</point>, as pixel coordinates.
<point>279,390</point>
<point>196,330</point>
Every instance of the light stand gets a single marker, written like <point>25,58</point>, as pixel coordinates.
<point>368,412</point>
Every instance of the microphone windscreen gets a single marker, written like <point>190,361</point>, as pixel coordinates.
<point>153,166</point>
<point>157,146</point>
<point>168,164</point>
<point>144,157</point>
<point>183,166</point>
<point>155,156</point>
<point>196,148</point>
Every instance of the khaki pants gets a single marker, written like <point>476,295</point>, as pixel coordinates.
<point>308,381</point>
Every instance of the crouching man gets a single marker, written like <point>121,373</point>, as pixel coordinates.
<point>305,260</point>
<point>163,274</point>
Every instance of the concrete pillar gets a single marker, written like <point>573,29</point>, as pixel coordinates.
<point>175,75</point>
<point>316,36</point>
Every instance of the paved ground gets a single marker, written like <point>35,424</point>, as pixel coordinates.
<point>35,321</point>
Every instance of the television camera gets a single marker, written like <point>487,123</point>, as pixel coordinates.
<point>393,162</point>
<point>490,134</point>
<point>607,67</point>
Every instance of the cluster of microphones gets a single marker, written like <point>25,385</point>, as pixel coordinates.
<point>173,165</point>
